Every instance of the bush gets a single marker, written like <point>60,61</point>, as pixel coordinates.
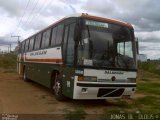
<point>8,61</point>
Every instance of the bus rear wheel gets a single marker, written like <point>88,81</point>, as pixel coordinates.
<point>58,88</point>
<point>25,75</point>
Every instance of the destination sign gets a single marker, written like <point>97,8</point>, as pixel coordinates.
<point>96,23</point>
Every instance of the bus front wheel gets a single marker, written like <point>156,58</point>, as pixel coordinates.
<point>58,88</point>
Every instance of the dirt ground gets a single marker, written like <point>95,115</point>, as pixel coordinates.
<point>20,97</point>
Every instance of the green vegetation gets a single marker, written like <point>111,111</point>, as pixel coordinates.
<point>77,114</point>
<point>152,88</point>
<point>148,104</point>
<point>8,62</point>
<point>150,66</point>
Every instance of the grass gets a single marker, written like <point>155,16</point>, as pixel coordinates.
<point>8,62</point>
<point>76,114</point>
<point>148,104</point>
<point>150,66</point>
<point>144,79</point>
<point>152,88</point>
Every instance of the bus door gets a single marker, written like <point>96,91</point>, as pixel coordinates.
<point>68,57</point>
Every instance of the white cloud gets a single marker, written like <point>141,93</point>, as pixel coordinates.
<point>11,7</point>
<point>7,24</point>
<point>153,36</point>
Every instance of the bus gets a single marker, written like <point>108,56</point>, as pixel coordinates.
<point>82,57</point>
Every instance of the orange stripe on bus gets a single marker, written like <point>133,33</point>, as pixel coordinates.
<point>106,19</point>
<point>45,60</point>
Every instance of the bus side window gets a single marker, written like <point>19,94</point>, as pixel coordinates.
<point>59,35</point>
<point>37,41</point>
<point>48,34</point>
<point>70,45</point>
<point>31,44</point>
<point>26,45</point>
<point>22,47</point>
<point>65,41</point>
<point>45,39</point>
<point>53,39</point>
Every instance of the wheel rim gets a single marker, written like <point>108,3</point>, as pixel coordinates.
<point>57,87</point>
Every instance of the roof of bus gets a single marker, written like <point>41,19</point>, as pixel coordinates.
<point>85,15</point>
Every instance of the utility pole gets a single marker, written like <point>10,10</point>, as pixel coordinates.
<point>10,48</point>
<point>16,36</point>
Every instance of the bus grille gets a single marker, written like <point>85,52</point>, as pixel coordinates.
<point>110,92</point>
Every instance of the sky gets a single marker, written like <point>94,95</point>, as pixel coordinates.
<point>25,17</point>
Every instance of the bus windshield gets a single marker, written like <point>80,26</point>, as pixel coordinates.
<point>106,45</point>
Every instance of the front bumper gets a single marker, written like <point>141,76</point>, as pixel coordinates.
<point>86,90</point>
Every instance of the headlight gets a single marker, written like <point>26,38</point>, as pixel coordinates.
<point>87,78</point>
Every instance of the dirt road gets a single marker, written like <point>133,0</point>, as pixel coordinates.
<point>17,96</point>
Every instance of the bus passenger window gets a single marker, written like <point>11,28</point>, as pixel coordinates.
<point>59,34</point>
<point>65,40</point>
<point>70,45</point>
<point>45,39</point>
<point>22,46</point>
<point>31,44</point>
<point>26,45</point>
<point>37,41</point>
<point>53,39</point>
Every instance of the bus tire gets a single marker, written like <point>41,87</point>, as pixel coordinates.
<point>25,78</point>
<point>58,87</point>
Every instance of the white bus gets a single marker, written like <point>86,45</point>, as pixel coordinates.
<point>82,57</point>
